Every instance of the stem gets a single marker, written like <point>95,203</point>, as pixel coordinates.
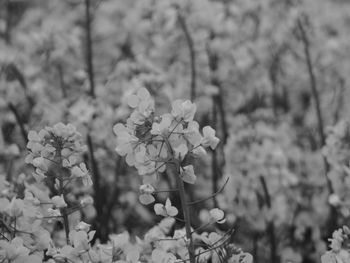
<point>8,23</point>
<point>96,174</point>
<point>61,192</point>
<point>190,44</point>
<point>19,121</point>
<point>64,213</point>
<point>271,225</point>
<point>61,80</point>
<point>185,208</point>
<point>89,51</point>
<point>315,94</point>
<point>218,99</point>
<point>214,162</point>
<point>186,213</point>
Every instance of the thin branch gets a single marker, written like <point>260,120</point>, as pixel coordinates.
<point>190,43</point>
<point>211,196</point>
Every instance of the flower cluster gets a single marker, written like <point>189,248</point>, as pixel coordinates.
<point>339,244</point>
<point>154,144</point>
<point>54,147</point>
<point>150,143</point>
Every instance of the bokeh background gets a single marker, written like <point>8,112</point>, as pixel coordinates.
<point>271,76</point>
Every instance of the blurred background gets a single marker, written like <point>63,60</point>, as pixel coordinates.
<point>271,76</point>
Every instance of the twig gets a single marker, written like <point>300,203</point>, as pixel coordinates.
<point>213,195</point>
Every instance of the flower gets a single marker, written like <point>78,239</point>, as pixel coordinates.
<point>162,128</point>
<point>146,196</point>
<point>184,110</point>
<point>209,139</point>
<point>58,201</point>
<point>218,215</point>
<point>82,172</point>
<point>167,210</point>
<point>187,175</point>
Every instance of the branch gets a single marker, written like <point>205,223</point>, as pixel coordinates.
<point>190,44</point>
<point>211,196</point>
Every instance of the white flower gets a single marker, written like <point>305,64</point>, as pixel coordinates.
<point>187,175</point>
<point>218,215</point>
<point>209,139</point>
<point>183,110</point>
<point>82,226</point>
<point>82,172</point>
<point>58,201</point>
<point>162,128</point>
<point>146,196</point>
<point>167,210</point>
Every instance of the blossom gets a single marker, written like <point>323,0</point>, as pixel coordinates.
<point>82,226</point>
<point>126,142</point>
<point>58,201</point>
<point>13,251</point>
<point>187,175</point>
<point>82,172</point>
<point>209,139</point>
<point>162,128</point>
<point>191,133</point>
<point>146,196</point>
<point>135,99</point>
<point>184,110</point>
<point>165,210</point>
<point>218,215</point>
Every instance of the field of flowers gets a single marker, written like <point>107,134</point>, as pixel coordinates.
<point>174,131</point>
